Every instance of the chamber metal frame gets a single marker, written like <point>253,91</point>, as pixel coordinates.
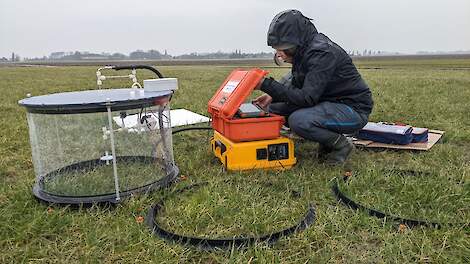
<point>106,101</point>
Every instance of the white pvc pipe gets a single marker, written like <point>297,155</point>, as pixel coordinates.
<point>113,151</point>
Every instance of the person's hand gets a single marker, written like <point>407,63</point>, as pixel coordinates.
<point>263,101</point>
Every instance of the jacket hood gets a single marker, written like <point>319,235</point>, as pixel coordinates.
<point>291,27</point>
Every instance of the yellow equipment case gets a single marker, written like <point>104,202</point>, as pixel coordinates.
<point>275,153</point>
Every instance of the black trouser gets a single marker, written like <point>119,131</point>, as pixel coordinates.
<point>322,123</point>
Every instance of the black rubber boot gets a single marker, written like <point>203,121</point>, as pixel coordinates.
<point>323,152</point>
<point>341,149</point>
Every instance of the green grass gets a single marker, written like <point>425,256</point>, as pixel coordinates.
<point>432,93</point>
<point>92,180</point>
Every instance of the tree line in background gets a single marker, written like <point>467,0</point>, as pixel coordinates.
<point>140,55</point>
<point>157,55</point>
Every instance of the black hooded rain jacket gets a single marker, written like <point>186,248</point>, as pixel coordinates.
<point>321,70</point>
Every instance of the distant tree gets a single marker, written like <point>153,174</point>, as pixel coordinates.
<point>154,54</point>
<point>118,56</point>
<point>138,54</point>
<point>57,55</point>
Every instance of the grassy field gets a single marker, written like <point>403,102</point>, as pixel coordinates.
<point>432,93</point>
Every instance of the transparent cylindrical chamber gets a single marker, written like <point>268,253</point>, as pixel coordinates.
<point>72,154</point>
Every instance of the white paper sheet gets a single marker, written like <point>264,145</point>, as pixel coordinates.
<point>178,117</point>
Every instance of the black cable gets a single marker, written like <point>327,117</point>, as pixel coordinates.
<point>191,128</point>
<point>132,67</point>
<point>103,198</point>
<point>340,196</point>
<point>212,243</point>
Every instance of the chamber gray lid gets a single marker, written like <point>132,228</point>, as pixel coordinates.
<point>92,101</point>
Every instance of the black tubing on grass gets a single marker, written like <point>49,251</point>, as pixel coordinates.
<point>106,198</point>
<point>132,67</point>
<point>341,197</point>
<point>191,128</point>
<point>212,243</point>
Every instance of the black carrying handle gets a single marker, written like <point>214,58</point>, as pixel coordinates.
<point>219,144</point>
<point>131,67</point>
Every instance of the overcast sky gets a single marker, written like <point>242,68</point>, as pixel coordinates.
<point>38,27</point>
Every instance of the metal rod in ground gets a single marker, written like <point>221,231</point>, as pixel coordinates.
<point>113,151</point>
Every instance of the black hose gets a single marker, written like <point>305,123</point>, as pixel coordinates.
<point>212,243</point>
<point>132,67</point>
<point>191,128</point>
<point>341,197</point>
